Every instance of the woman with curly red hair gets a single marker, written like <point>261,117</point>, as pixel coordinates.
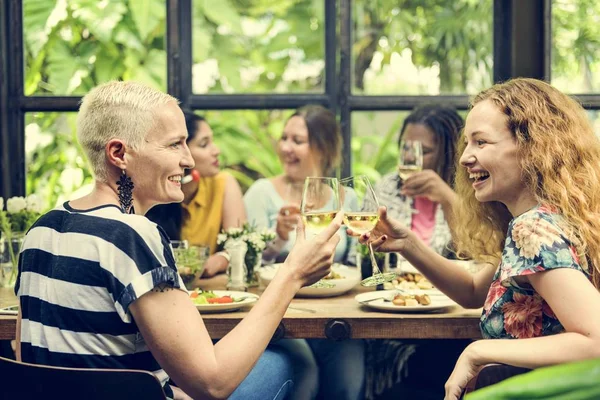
<point>529,205</point>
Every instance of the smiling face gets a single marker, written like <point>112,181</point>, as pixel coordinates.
<point>157,168</point>
<point>204,150</point>
<point>421,133</point>
<point>491,159</point>
<point>295,153</point>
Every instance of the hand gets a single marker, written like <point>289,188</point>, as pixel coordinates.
<point>428,183</point>
<point>388,234</point>
<point>310,260</point>
<point>286,221</point>
<point>465,369</point>
<point>214,265</point>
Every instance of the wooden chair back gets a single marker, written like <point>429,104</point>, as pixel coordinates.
<point>29,381</point>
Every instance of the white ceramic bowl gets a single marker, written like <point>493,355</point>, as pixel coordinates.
<point>351,277</point>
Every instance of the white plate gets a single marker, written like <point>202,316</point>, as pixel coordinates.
<point>438,302</point>
<point>351,278</point>
<point>250,298</point>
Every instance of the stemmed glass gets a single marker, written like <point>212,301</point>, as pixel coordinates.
<point>410,161</point>
<point>363,221</point>
<point>410,158</point>
<point>320,203</point>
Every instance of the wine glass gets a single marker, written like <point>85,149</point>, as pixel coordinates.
<point>320,203</point>
<point>410,158</point>
<point>410,161</point>
<point>363,220</point>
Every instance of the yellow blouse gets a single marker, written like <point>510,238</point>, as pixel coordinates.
<point>202,217</point>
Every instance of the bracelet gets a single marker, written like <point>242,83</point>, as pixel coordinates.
<point>224,254</point>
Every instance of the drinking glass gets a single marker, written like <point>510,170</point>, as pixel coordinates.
<point>320,203</point>
<point>410,161</point>
<point>363,220</point>
<point>410,158</point>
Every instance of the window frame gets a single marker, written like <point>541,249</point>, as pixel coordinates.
<point>520,30</point>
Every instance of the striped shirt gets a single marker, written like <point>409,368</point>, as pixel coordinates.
<point>79,271</point>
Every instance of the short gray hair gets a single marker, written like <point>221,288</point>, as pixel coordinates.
<point>116,110</point>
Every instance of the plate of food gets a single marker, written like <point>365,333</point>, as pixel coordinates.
<point>221,300</point>
<point>400,301</point>
<point>341,279</point>
<point>411,281</point>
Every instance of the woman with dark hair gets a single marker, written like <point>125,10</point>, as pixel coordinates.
<point>428,192</point>
<point>211,203</point>
<point>310,145</point>
<point>393,363</point>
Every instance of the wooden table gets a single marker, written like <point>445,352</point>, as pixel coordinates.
<point>335,317</point>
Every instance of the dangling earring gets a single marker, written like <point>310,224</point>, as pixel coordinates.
<point>125,189</point>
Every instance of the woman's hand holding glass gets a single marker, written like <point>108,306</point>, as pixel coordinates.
<point>388,235</point>
<point>286,221</point>
<point>320,204</point>
<point>363,220</point>
<point>311,257</point>
<point>427,183</point>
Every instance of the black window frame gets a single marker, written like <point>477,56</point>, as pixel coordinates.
<point>521,48</point>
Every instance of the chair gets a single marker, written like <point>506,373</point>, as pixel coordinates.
<point>491,374</point>
<point>29,381</point>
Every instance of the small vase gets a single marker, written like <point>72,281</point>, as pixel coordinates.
<point>9,257</point>
<point>253,262</point>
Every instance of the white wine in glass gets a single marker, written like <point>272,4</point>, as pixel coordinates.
<point>320,204</point>
<point>316,221</point>
<point>363,221</point>
<point>410,158</point>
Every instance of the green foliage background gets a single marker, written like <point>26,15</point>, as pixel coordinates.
<point>268,46</point>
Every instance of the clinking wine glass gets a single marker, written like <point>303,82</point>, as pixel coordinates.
<point>363,220</point>
<point>320,203</point>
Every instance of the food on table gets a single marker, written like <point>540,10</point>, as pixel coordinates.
<point>410,300</point>
<point>200,296</point>
<point>333,275</point>
<point>411,281</point>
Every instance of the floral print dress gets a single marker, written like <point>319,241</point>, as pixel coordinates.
<point>536,242</point>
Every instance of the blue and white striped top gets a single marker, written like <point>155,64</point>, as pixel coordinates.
<point>79,271</point>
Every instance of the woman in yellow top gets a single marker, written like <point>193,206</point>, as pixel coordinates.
<point>211,203</point>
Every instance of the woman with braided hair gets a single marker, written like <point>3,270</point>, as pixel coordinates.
<point>422,202</point>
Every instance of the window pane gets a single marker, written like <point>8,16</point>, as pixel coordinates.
<point>248,140</point>
<point>426,47</point>
<point>594,116</point>
<point>71,46</point>
<point>576,45</point>
<point>56,166</point>
<point>255,47</point>
<point>375,141</point>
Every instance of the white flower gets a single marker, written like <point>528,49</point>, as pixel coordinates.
<point>234,232</point>
<point>1,203</point>
<point>221,238</point>
<point>16,204</point>
<point>34,203</point>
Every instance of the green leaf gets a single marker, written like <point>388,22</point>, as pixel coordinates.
<point>221,13</point>
<point>36,23</point>
<point>147,14</point>
<point>108,64</point>
<point>100,17</point>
